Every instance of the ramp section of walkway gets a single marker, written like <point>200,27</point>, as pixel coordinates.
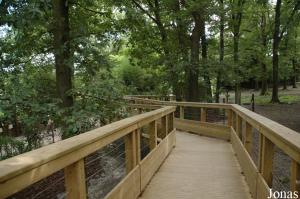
<point>199,167</point>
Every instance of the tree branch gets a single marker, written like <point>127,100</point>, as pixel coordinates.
<point>145,11</point>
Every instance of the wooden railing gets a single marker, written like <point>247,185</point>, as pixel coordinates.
<point>239,126</point>
<point>24,170</point>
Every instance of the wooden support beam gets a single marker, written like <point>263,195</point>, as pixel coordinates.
<point>164,126</point>
<point>138,145</point>
<point>130,151</point>
<point>229,117</point>
<point>248,137</point>
<point>234,120</point>
<point>295,176</point>
<point>239,126</point>
<point>181,112</point>
<point>266,154</point>
<point>153,134</point>
<point>75,180</point>
<point>203,114</point>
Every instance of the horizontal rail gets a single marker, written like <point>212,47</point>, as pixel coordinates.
<point>138,100</point>
<point>23,170</point>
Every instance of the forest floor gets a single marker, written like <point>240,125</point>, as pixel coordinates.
<point>285,113</point>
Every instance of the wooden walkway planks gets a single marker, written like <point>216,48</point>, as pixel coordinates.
<point>199,167</point>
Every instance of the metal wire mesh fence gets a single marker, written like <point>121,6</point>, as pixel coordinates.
<point>104,169</point>
<point>48,188</point>
<point>281,171</point>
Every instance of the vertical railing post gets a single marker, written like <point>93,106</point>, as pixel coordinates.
<point>239,126</point>
<point>75,180</point>
<point>229,117</point>
<point>164,126</point>
<point>181,112</point>
<point>137,134</point>
<point>171,122</point>
<point>234,120</point>
<point>248,137</point>
<point>130,151</point>
<point>295,176</point>
<point>203,114</point>
<point>266,153</point>
<point>153,134</point>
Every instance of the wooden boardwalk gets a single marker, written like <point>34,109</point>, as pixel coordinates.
<point>199,167</point>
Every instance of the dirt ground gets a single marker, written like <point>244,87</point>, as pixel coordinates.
<point>285,114</point>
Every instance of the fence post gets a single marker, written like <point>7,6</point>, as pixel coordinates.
<point>248,137</point>
<point>203,114</point>
<point>266,153</point>
<point>252,103</point>
<point>153,134</point>
<point>164,126</point>
<point>130,151</point>
<point>295,176</point>
<point>229,117</point>
<point>181,108</point>
<point>239,126</point>
<point>75,180</point>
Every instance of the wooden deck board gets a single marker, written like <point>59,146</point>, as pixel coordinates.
<point>199,167</point>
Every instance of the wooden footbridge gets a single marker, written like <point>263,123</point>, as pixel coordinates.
<point>191,154</point>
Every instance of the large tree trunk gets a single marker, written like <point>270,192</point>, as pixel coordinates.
<point>295,73</point>
<point>276,42</point>
<point>192,72</point>
<point>221,51</point>
<point>63,61</point>
<point>205,65</point>
<point>237,20</point>
<point>294,62</point>
<point>264,77</point>
<point>284,83</point>
<point>236,61</point>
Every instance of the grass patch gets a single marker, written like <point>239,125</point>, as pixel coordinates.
<point>264,100</point>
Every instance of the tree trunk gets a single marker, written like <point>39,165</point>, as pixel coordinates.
<point>63,61</point>
<point>264,77</point>
<point>276,41</point>
<point>294,61</point>
<point>236,61</point>
<point>205,66</point>
<point>294,78</point>
<point>192,89</point>
<point>221,52</point>
<point>237,20</point>
<point>284,83</point>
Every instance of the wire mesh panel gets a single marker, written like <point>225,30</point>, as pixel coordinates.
<point>281,171</point>
<point>48,188</point>
<point>217,116</point>
<point>192,113</point>
<point>104,169</point>
<point>255,147</point>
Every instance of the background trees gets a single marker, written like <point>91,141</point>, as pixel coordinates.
<point>72,61</point>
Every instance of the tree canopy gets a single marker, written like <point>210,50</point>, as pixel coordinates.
<point>71,61</point>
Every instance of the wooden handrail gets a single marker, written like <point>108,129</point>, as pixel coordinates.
<point>271,134</point>
<point>23,170</point>
<point>175,103</point>
<point>284,138</point>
